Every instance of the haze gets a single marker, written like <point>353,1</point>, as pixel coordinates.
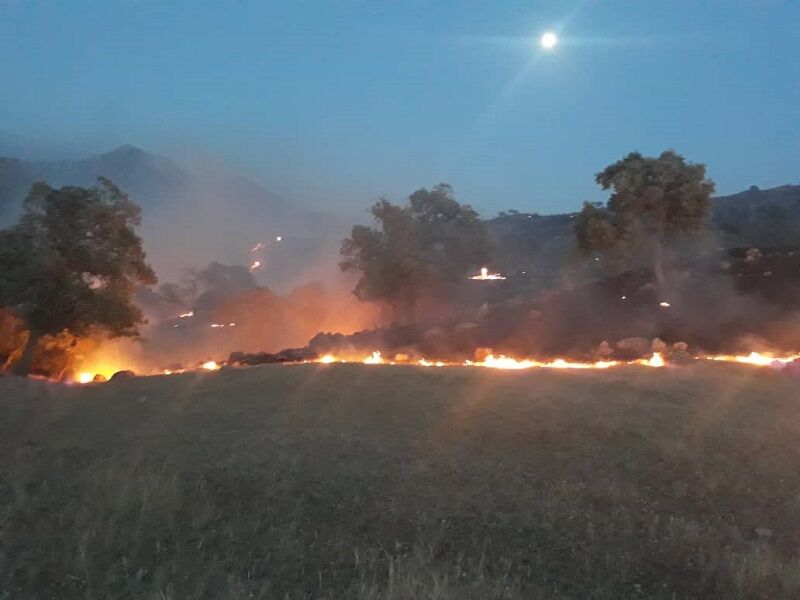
<point>330,104</point>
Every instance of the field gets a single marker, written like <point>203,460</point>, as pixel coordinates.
<point>377,482</point>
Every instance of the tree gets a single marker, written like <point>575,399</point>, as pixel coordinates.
<point>418,251</point>
<point>72,264</point>
<point>654,201</point>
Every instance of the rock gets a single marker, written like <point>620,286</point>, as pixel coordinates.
<point>604,350</point>
<point>752,255</point>
<point>122,375</point>
<point>636,345</point>
<point>657,345</point>
<point>236,357</point>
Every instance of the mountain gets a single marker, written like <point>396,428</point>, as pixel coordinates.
<point>191,216</point>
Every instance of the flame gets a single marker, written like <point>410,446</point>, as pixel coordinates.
<point>754,358</point>
<point>373,359</point>
<point>486,276</point>
<point>504,362</point>
<point>657,360</point>
<point>210,365</point>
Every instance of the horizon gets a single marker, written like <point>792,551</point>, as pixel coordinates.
<point>342,104</point>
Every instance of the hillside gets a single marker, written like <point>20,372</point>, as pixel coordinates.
<point>370,482</point>
<point>540,244</point>
<point>190,216</point>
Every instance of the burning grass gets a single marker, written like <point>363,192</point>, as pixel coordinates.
<point>353,481</point>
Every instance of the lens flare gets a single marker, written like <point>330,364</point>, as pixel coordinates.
<point>548,40</point>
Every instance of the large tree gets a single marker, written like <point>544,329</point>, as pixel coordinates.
<point>417,251</point>
<point>72,263</point>
<point>654,203</point>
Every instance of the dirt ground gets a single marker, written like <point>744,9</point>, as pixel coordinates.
<point>380,482</point>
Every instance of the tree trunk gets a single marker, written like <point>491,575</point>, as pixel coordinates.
<point>25,362</point>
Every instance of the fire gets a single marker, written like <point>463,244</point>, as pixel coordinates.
<point>373,359</point>
<point>256,264</point>
<point>486,276</point>
<point>503,362</point>
<point>657,360</point>
<point>210,365</point>
<point>754,358</point>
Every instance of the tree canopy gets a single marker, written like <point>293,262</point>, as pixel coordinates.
<point>72,262</point>
<point>418,250</point>
<point>653,202</point>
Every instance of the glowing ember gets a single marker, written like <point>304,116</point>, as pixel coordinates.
<point>256,264</point>
<point>486,276</point>
<point>210,365</point>
<point>186,315</point>
<point>257,247</point>
<point>278,238</point>
<point>664,304</point>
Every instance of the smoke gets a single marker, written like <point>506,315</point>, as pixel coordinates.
<point>222,309</point>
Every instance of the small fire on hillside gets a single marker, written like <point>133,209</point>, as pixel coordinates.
<point>484,275</point>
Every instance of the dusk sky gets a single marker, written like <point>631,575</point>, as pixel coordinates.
<point>335,103</point>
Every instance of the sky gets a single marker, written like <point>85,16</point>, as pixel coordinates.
<point>336,103</point>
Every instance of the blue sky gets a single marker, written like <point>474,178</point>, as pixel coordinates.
<point>335,103</point>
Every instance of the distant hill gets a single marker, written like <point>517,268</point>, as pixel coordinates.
<point>191,216</point>
<point>540,244</point>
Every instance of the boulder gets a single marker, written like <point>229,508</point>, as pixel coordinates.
<point>635,345</point>
<point>122,375</point>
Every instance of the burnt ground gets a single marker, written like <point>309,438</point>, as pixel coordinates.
<point>378,482</point>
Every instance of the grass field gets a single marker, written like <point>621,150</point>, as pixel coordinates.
<point>374,482</point>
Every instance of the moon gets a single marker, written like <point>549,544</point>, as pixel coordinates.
<point>548,40</point>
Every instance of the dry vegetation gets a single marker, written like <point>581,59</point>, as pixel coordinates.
<point>349,481</point>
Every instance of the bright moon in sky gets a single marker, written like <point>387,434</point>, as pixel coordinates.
<point>549,40</point>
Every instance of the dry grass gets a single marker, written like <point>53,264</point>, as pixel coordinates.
<point>395,483</point>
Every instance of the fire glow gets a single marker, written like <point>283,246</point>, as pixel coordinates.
<point>100,371</point>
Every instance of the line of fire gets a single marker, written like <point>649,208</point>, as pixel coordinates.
<point>661,275</point>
